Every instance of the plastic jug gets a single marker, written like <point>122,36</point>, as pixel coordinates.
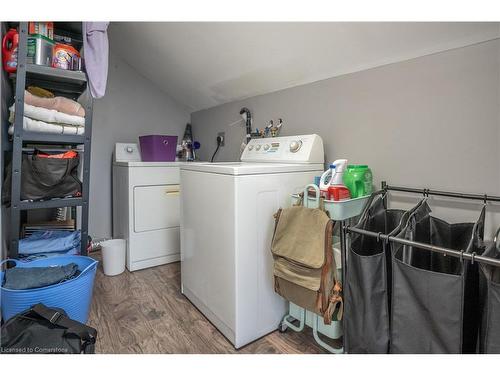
<point>324,181</point>
<point>359,180</point>
<point>9,50</point>
<point>337,191</point>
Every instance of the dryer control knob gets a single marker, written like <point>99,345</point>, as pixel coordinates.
<point>295,146</point>
<point>257,147</point>
<point>266,147</point>
<point>250,148</point>
<point>130,149</point>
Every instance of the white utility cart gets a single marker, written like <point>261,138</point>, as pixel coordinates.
<point>339,211</point>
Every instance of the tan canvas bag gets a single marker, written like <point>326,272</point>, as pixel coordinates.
<point>304,266</point>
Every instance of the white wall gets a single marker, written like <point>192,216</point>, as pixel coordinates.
<point>432,121</point>
<point>132,106</point>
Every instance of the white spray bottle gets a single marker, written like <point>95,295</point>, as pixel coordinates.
<point>340,167</point>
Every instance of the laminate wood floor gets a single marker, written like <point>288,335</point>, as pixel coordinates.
<point>145,312</point>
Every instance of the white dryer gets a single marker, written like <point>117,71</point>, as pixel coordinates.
<point>146,207</point>
<point>226,230</point>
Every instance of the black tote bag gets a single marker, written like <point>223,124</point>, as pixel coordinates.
<point>45,178</point>
<point>489,333</point>
<point>44,330</point>
<point>368,280</point>
<point>435,297</point>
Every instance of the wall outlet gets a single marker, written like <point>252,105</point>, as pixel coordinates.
<point>223,135</point>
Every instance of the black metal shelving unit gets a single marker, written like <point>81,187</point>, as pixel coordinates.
<point>62,82</point>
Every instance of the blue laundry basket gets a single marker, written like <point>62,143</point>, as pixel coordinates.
<point>74,296</point>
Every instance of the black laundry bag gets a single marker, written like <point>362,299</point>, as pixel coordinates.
<point>45,178</point>
<point>368,280</point>
<point>489,333</point>
<point>44,330</point>
<point>435,305</point>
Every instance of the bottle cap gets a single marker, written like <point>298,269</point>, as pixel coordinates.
<point>357,166</point>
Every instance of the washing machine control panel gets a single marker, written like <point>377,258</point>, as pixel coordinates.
<point>291,149</point>
<point>126,152</point>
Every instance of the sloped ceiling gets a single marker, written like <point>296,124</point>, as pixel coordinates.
<point>202,65</point>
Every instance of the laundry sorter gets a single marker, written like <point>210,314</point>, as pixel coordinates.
<point>340,212</point>
<point>418,284</point>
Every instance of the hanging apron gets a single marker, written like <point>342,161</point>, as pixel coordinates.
<point>435,297</point>
<point>367,290</point>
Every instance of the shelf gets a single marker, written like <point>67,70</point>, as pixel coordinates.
<point>52,203</point>
<point>50,138</point>
<point>339,210</point>
<point>61,75</point>
<point>60,81</point>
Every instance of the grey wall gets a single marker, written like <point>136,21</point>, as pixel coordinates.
<point>432,121</point>
<point>132,106</point>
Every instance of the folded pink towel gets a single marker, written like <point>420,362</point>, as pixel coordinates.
<point>58,103</point>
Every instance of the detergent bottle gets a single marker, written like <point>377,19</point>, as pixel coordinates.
<point>337,191</point>
<point>324,181</point>
<point>359,180</point>
<point>9,50</point>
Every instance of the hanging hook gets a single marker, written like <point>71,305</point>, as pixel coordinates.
<point>378,236</point>
<point>461,256</point>
<point>485,198</point>
<point>472,257</point>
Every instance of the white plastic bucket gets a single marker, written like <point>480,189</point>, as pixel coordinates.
<point>113,257</point>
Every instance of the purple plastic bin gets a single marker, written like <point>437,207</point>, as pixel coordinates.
<point>158,147</point>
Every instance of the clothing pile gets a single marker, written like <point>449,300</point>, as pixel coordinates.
<point>20,278</point>
<point>45,113</point>
<point>45,244</point>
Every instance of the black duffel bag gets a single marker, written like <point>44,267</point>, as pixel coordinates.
<point>43,330</point>
<point>45,178</point>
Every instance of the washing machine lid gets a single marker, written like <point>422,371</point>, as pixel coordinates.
<point>131,164</point>
<point>245,168</point>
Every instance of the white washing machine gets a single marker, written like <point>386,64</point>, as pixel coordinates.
<point>146,207</point>
<point>226,230</point>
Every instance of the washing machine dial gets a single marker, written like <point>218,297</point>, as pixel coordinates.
<point>250,148</point>
<point>295,146</point>
<point>257,147</point>
<point>266,147</point>
<point>130,149</point>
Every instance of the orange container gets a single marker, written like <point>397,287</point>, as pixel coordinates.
<point>43,28</point>
<point>63,56</point>
<point>338,193</point>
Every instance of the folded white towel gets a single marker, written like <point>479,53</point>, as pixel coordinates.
<point>50,115</point>
<point>44,127</point>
